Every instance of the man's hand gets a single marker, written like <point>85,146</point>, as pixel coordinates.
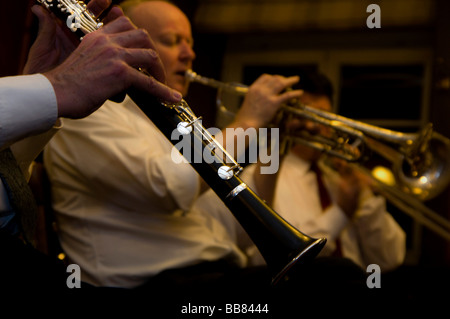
<point>264,98</point>
<point>350,186</point>
<point>103,65</point>
<point>51,46</point>
<point>55,41</point>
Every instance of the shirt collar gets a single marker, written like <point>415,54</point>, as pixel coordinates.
<point>302,165</point>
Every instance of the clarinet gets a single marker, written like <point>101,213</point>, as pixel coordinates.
<point>282,246</point>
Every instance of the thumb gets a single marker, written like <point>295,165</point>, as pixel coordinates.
<point>47,26</point>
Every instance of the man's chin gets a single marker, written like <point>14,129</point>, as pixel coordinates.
<point>182,88</point>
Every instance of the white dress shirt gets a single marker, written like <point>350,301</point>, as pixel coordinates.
<point>122,204</point>
<point>27,108</point>
<point>371,237</point>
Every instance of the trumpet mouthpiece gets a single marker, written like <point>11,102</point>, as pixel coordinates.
<point>190,75</point>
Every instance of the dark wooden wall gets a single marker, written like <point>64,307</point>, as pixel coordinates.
<point>16,23</point>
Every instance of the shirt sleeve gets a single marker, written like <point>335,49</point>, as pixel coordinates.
<point>381,238</point>
<point>28,106</point>
<point>121,156</point>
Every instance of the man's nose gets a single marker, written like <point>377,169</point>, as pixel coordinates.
<point>186,51</point>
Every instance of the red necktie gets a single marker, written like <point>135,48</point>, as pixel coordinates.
<point>325,201</point>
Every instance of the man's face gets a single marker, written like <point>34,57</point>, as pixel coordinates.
<point>170,31</point>
<point>320,102</point>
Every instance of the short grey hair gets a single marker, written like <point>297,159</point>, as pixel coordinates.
<point>127,5</point>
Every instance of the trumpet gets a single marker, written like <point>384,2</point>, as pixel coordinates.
<point>420,162</point>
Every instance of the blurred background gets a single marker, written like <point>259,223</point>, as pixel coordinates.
<point>396,76</point>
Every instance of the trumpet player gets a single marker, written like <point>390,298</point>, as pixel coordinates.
<point>338,203</point>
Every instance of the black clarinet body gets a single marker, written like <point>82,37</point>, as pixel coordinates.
<point>283,246</point>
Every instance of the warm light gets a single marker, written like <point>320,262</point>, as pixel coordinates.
<point>423,180</point>
<point>384,175</point>
<point>61,256</point>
